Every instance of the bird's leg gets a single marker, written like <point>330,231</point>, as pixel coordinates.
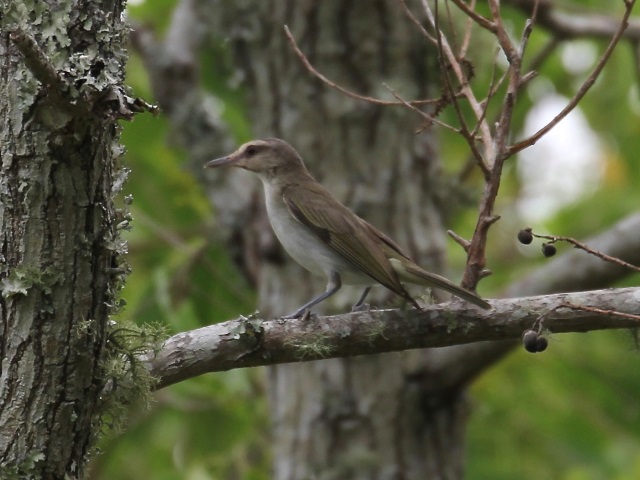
<point>333,286</point>
<point>360,305</point>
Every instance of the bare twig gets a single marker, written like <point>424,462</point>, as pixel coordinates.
<point>476,257</point>
<point>586,248</point>
<point>469,11</point>
<point>305,61</point>
<point>493,88</point>
<point>468,30</point>
<point>501,34</point>
<point>514,57</point>
<point>485,132</point>
<point>528,28</point>
<point>584,88</point>
<point>417,23</point>
<point>601,311</point>
<point>424,115</point>
<point>464,130</point>
<point>463,242</point>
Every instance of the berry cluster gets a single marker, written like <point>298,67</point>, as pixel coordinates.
<point>526,237</point>
<point>534,342</point>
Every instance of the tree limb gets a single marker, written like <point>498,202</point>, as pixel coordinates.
<point>570,272</point>
<point>247,342</point>
<point>213,348</point>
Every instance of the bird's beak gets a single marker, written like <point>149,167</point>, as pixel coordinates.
<point>221,162</point>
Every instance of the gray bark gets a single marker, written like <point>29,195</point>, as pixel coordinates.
<point>59,257</point>
<point>251,342</point>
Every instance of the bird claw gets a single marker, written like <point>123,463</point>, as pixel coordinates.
<point>363,307</point>
<point>303,315</point>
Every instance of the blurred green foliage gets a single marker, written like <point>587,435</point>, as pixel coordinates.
<point>571,413</point>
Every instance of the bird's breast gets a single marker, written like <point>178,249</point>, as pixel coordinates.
<point>306,248</point>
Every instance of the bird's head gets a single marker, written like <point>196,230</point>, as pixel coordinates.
<point>269,158</point>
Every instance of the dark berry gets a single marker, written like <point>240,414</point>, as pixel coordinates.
<point>530,341</point>
<point>525,236</point>
<point>548,250</point>
<point>541,344</point>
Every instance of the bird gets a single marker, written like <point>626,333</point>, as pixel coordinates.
<point>323,235</point>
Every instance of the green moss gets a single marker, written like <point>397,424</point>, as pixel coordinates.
<point>376,329</point>
<point>127,381</point>
<point>318,345</point>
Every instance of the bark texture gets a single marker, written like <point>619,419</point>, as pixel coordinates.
<point>59,245</point>
<point>246,342</point>
<point>368,417</point>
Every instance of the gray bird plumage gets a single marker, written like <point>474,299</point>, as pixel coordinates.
<point>323,235</point>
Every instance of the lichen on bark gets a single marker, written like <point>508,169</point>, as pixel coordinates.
<point>63,364</point>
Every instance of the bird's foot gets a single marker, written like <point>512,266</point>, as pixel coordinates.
<point>303,314</point>
<point>362,307</point>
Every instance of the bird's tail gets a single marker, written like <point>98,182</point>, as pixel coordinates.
<point>412,273</point>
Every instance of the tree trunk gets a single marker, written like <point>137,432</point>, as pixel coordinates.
<point>386,416</point>
<point>59,269</point>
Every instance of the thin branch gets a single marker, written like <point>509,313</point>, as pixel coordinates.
<point>464,130</point>
<point>468,30</point>
<point>424,115</point>
<point>417,23</point>
<point>463,242</point>
<point>583,246</point>
<point>493,88</point>
<point>475,16</point>
<point>470,163</point>
<point>307,64</point>
<point>247,342</point>
<point>528,28</point>
<point>501,33</point>
<point>452,29</point>
<point>584,88</point>
<point>514,57</point>
<point>600,311</point>
<point>485,132</point>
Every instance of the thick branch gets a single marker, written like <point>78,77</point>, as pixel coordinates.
<point>245,342</point>
<point>570,272</point>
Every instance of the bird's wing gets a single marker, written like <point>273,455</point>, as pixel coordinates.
<point>388,245</point>
<point>343,231</point>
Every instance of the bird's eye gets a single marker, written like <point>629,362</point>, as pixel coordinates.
<point>251,150</point>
